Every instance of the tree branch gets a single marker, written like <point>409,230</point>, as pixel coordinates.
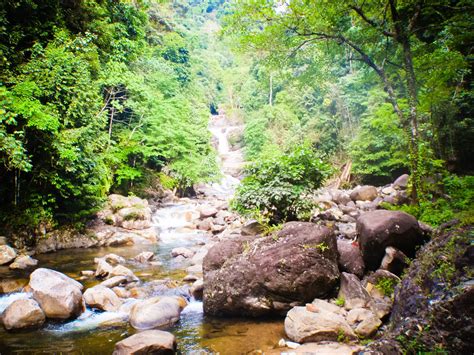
<point>372,23</point>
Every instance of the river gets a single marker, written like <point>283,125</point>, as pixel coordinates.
<point>97,332</point>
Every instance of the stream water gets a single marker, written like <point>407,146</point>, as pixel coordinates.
<point>97,332</point>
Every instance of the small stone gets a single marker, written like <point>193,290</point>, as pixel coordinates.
<point>252,227</point>
<point>207,211</point>
<point>184,252</point>
<point>23,262</point>
<point>292,345</point>
<point>115,281</point>
<point>144,257</point>
<point>121,270</point>
<point>197,289</point>
<point>388,190</point>
<point>190,278</point>
<point>394,261</point>
<point>364,193</point>
<point>87,273</point>
<point>368,326</point>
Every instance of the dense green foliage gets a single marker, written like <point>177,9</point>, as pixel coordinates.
<point>98,95</point>
<point>277,187</point>
<point>451,197</point>
<point>366,81</point>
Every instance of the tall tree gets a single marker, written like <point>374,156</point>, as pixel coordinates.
<point>385,35</point>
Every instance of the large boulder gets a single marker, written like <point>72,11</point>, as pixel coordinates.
<point>147,342</point>
<point>23,313</point>
<point>350,258</point>
<point>7,254</point>
<point>58,295</point>
<point>156,312</point>
<point>364,193</point>
<point>268,275</point>
<point>102,298</point>
<point>303,325</point>
<point>380,229</point>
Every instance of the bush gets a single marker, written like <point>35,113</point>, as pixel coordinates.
<point>277,186</point>
<point>452,197</point>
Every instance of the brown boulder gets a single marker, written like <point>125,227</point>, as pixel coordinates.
<point>350,258</point>
<point>380,229</point>
<point>258,276</point>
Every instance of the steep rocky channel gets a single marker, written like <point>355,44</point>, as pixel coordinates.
<point>183,227</point>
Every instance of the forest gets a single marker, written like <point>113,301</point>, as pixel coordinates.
<point>115,114</point>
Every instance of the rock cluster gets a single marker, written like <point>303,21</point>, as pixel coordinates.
<point>291,271</point>
<point>123,221</point>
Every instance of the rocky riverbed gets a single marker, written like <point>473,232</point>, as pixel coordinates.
<point>190,275</point>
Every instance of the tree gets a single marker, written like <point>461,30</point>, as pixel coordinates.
<point>385,35</point>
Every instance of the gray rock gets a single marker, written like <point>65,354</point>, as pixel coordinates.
<point>23,313</point>
<point>7,254</point>
<point>368,327</point>
<point>58,295</point>
<point>184,252</point>
<point>102,298</point>
<point>348,230</point>
<point>207,211</point>
<point>116,281</point>
<point>156,312</point>
<point>304,326</point>
<point>103,268</point>
<point>394,261</point>
<point>147,342</point>
<point>353,293</point>
<point>252,227</point>
<point>23,262</point>
<point>197,289</point>
<point>144,257</point>
<point>401,182</point>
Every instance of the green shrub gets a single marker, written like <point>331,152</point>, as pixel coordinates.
<point>386,285</point>
<point>277,186</point>
<point>452,197</point>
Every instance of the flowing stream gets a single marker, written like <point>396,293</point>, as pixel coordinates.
<point>97,332</point>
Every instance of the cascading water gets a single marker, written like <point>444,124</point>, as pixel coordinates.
<point>96,332</point>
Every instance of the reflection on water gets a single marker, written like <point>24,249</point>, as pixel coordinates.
<point>97,332</point>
